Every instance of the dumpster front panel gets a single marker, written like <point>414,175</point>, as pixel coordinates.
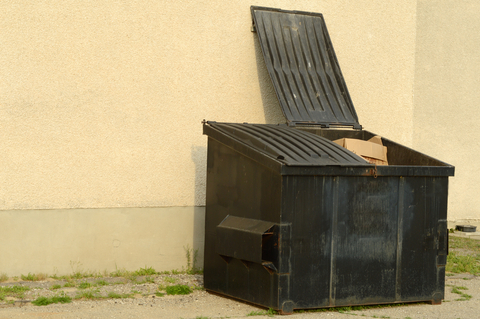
<point>364,240</point>
<point>344,239</point>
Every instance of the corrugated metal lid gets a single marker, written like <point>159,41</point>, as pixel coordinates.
<point>290,146</point>
<point>303,67</point>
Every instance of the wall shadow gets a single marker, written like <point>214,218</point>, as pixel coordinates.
<point>199,158</point>
<point>271,106</point>
<point>273,115</point>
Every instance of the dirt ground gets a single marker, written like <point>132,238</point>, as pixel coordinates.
<point>133,296</point>
<point>144,303</point>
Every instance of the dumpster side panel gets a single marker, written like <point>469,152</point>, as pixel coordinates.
<point>241,187</point>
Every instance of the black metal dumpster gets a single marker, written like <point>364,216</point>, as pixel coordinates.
<point>295,221</point>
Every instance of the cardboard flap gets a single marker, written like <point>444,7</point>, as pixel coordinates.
<point>371,150</point>
<point>376,139</point>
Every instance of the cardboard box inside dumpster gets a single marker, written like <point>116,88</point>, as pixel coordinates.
<point>372,150</point>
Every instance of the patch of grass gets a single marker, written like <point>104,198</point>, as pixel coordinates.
<point>255,313</point>
<point>13,291</point>
<point>147,279</point>
<point>150,280</point>
<point>270,312</point>
<point>145,271</point>
<point>464,296</point>
<point>192,255</point>
<point>171,280</point>
<point>54,287</point>
<point>136,292</point>
<point>79,273</point>
<point>29,277</point>
<point>87,294</point>
<point>457,263</point>
<point>3,277</point>
<point>464,243</point>
<point>69,284</point>
<point>101,283</point>
<point>34,277</point>
<point>178,290</point>
<point>84,285</point>
<point>76,269</point>
<point>120,272</point>
<point>464,256</point>
<point>41,276</point>
<point>176,272</point>
<point>130,275</point>
<point>54,276</point>
<point>347,309</point>
<point>115,295</point>
<point>159,294</point>
<point>43,301</point>
<point>201,317</point>
<point>347,312</point>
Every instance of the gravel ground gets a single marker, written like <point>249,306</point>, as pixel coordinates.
<point>143,302</point>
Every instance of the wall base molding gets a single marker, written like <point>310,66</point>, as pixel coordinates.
<point>60,240</point>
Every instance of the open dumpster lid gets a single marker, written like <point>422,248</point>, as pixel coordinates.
<point>304,68</point>
<point>289,146</point>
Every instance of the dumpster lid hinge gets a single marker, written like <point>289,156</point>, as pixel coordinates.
<point>354,126</point>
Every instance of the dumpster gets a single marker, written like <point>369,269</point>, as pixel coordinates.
<point>296,221</point>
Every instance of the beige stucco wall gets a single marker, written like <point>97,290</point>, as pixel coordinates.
<point>101,101</point>
<point>446,117</point>
<point>100,110</point>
